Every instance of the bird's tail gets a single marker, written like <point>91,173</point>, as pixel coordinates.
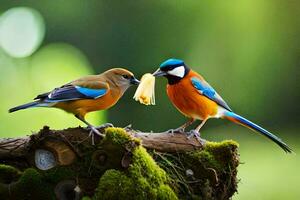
<point>24,106</point>
<point>245,122</point>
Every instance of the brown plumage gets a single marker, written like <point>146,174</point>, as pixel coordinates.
<point>86,94</point>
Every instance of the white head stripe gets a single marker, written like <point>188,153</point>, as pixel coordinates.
<point>178,71</point>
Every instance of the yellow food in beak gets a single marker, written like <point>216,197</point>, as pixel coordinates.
<point>145,91</point>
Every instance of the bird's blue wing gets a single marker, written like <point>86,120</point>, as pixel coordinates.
<point>206,90</point>
<point>91,93</point>
<point>72,92</point>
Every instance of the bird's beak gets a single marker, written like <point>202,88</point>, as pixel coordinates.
<point>158,72</point>
<point>134,81</point>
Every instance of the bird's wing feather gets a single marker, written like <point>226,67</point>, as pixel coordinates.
<point>206,90</point>
<point>78,90</point>
<point>42,96</point>
<point>92,81</point>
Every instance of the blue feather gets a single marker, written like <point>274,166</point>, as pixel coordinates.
<point>59,100</point>
<point>243,121</point>
<point>71,92</point>
<point>171,62</point>
<point>92,93</point>
<point>206,90</point>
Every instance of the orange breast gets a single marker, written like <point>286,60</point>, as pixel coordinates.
<point>189,101</point>
<point>81,107</point>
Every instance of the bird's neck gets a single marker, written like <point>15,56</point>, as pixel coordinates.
<point>175,79</point>
<point>116,90</point>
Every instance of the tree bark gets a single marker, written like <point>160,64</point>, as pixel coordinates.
<point>163,142</point>
<point>67,159</point>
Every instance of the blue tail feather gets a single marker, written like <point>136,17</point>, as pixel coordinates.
<point>24,106</point>
<point>245,122</point>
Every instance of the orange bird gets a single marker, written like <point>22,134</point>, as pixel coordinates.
<point>196,99</point>
<point>86,94</point>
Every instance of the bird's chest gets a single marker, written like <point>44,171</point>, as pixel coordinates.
<point>189,102</point>
<point>102,103</point>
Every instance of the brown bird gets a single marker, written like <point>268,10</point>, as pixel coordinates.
<point>86,94</point>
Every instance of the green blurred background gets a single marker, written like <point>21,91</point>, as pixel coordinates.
<point>248,50</point>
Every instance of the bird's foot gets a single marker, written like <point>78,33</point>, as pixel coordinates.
<point>103,126</point>
<point>196,134</point>
<point>128,127</point>
<point>176,130</point>
<point>94,132</point>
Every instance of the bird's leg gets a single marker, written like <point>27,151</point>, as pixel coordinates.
<point>181,128</point>
<point>196,132</point>
<point>93,129</point>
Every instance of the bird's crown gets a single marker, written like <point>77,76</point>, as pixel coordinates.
<point>119,71</point>
<point>172,62</point>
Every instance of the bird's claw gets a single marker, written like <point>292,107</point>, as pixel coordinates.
<point>176,130</point>
<point>103,126</point>
<point>196,134</point>
<point>94,132</point>
<point>192,133</point>
<point>128,127</point>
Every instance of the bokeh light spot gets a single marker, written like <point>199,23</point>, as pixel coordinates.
<point>22,30</point>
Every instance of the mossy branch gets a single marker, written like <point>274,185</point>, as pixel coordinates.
<point>164,142</point>
<point>118,167</point>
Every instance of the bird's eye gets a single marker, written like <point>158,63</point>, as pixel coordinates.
<point>126,76</point>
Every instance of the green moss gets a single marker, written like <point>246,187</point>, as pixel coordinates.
<point>144,179</point>
<point>215,155</point>
<point>144,165</point>
<point>211,166</point>
<point>221,145</point>
<point>204,157</point>
<point>114,185</point>
<point>32,186</point>
<point>8,174</point>
<point>59,173</point>
<point>223,152</point>
<point>119,136</point>
<point>27,185</point>
<point>164,192</point>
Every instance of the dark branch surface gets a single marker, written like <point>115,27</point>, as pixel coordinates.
<point>164,142</point>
